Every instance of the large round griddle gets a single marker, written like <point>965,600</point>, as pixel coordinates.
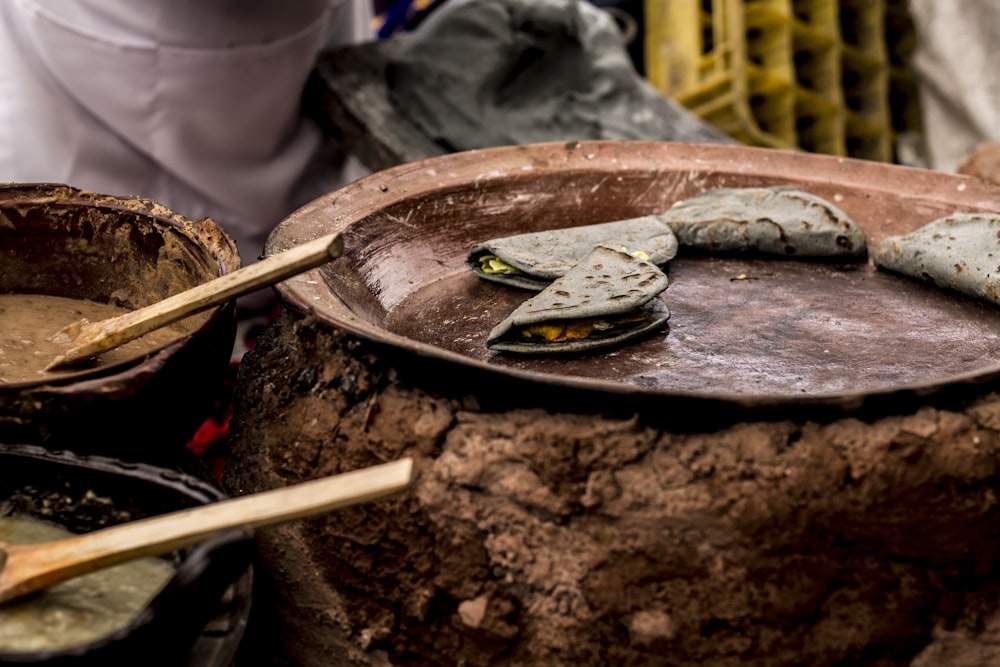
<point>755,331</point>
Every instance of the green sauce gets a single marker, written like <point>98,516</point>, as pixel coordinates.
<point>79,610</point>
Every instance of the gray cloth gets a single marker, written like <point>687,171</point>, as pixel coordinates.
<point>481,73</point>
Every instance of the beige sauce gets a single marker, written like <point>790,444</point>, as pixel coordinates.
<point>29,321</point>
<point>80,610</point>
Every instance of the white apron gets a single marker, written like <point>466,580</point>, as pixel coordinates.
<point>955,65</point>
<point>193,103</point>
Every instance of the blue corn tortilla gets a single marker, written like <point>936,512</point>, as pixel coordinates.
<point>533,260</point>
<point>611,293</point>
<point>960,252</point>
<point>776,220</point>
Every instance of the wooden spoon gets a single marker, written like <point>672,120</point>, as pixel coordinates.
<point>25,568</point>
<point>86,339</point>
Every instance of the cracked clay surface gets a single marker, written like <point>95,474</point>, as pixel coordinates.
<point>541,537</point>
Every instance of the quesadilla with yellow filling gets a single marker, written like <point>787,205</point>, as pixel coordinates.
<point>605,300</point>
<point>533,260</point>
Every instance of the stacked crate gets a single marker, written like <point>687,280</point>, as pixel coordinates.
<point>827,76</point>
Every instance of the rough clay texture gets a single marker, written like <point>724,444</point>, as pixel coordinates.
<point>540,538</point>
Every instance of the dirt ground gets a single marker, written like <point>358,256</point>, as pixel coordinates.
<point>541,536</point>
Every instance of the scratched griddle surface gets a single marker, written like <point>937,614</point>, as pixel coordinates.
<point>745,326</point>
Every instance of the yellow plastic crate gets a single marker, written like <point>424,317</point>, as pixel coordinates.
<point>818,75</point>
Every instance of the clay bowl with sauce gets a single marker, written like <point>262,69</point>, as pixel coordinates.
<point>194,604</point>
<point>57,242</point>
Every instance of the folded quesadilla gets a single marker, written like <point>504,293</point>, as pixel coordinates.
<point>606,299</point>
<point>959,252</point>
<point>533,260</point>
<point>774,220</point>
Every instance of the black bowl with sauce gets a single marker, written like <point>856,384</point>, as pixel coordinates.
<point>198,618</point>
<point>58,241</point>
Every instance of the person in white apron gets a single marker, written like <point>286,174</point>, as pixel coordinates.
<point>192,103</point>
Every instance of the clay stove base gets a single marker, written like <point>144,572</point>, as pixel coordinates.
<point>557,537</point>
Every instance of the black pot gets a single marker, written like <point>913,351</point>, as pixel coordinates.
<point>200,616</point>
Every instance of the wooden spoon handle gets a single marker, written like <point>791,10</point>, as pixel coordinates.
<point>31,567</point>
<point>97,337</point>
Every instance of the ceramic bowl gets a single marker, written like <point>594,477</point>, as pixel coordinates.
<point>199,617</point>
<point>64,242</point>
